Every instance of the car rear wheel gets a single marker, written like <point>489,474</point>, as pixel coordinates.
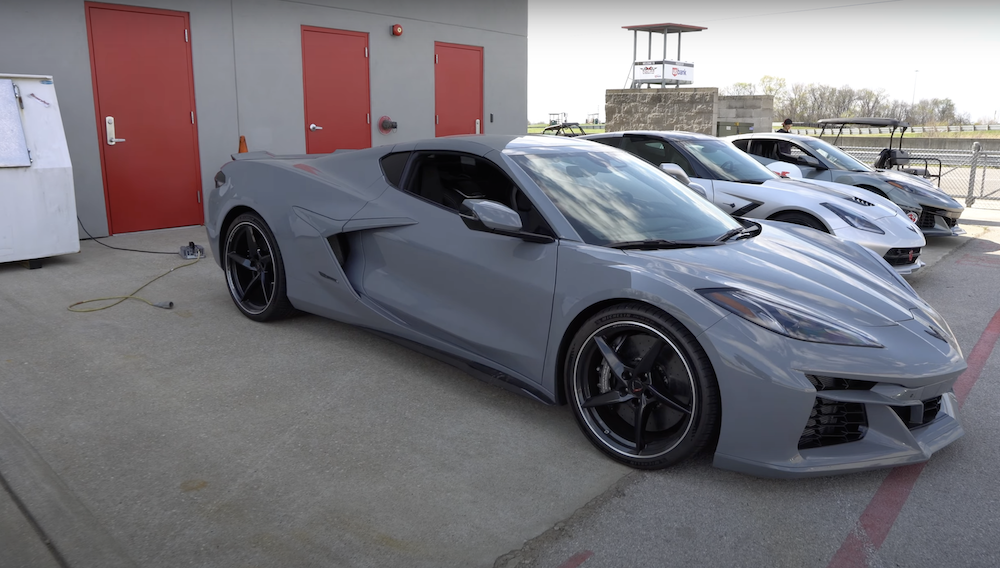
<point>254,269</point>
<point>641,387</point>
<point>803,219</point>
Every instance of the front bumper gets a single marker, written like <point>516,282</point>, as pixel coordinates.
<point>894,404</point>
<point>936,222</point>
<point>900,245</point>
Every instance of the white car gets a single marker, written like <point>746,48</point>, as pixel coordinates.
<point>741,186</point>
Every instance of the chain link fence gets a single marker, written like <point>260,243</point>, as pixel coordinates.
<point>970,176</point>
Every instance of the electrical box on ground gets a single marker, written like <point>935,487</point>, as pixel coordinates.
<point>731,128</point>
<point>37,200</point>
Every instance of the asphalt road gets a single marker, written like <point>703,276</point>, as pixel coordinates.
<point>136,436</point>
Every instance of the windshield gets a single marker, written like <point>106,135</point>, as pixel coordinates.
<point>726,162</point>
<point>611,196</point>
<point>835,156</point>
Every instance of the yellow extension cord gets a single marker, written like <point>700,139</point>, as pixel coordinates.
<point>132,296</point>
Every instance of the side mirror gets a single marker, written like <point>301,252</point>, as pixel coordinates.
<point>676,172</point>
<point>697,188</point>
<point>483,214</point>
<point>492,217</point>
<point>810,162</point>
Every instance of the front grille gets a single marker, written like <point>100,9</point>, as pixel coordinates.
<point>901,256</point>
<point>927,218</point>
<point>821,383</point>
<point>931,407</point>
<point>831,423</point>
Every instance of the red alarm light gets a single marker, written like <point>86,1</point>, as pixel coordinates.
<point>397,30</point>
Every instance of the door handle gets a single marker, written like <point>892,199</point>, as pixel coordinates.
<point>109,125</point>
<point>479,128</point>
<point>314,128</point>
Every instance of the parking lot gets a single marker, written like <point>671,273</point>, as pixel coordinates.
<point>137,436</point>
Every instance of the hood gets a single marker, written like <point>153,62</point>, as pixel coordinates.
<point>797,266</point>
<point>922,188</point>
<point>857,200</point>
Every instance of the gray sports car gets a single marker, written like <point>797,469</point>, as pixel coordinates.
<point>576,273</point>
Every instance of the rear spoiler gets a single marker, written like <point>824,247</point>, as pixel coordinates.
<point>258,155</point>
<point>265,155</point>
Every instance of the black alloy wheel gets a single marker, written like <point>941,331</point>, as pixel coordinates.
<point>254,270</point>
<point>641,387</point>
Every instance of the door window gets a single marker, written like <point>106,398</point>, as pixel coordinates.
<point>449,178</point>
<point>656,152</point>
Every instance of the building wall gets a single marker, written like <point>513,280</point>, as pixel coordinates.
<point>755,109</point>
<point>248,70</point>
<point>690,109</point>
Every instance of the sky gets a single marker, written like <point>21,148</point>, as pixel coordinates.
<point>914,49</point>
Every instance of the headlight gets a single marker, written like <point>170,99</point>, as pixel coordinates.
<point>904,186</point>
<point>786,320</point>
<point>853,219</point>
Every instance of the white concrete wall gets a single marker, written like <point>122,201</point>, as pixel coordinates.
<point>248,70</point>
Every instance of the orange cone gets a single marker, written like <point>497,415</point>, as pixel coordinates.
<point>243,145</point>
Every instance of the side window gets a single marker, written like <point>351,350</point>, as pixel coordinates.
<point>647,148</point>
<point>392,167</point>
<point>674,156</point>
<point>613,141</point>
<point>448,179</point>
<point>797,152</point>
<point>762,148</point>
<point>657,152</point>
<point>778,150</point>
<point>741,144</point>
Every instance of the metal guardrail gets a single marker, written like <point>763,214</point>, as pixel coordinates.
<point>912,129</point>
<point>970,176</point>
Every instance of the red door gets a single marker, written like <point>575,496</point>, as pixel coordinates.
<point>141,63</point>
<point>335,86</point>
<point>458,89</point>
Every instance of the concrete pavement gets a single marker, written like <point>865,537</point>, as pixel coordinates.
<point>146,437</point>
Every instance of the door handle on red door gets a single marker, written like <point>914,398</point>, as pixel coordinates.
<point>109,125</point>
<point>314,128</point>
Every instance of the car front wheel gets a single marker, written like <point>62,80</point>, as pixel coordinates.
<point>641,387</point>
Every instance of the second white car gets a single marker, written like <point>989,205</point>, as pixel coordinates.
<point>741,186</point>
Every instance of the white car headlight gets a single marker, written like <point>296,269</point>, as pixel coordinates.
<point>853,219</point>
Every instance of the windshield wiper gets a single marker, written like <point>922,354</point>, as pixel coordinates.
<point>740,233</point>
<point>658,244</point>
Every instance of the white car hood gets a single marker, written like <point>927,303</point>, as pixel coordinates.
<point>849,195</point>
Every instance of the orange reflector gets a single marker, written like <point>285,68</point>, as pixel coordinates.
<point>243,145</point>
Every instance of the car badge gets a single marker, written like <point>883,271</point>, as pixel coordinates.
<point>912,216</point>
<point>911,256</point>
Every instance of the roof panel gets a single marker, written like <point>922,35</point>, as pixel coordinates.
<point>665,28</point>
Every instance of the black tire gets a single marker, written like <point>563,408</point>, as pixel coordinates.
<point>664,381</point>
<point>254,269</point>
<point>804,219</point>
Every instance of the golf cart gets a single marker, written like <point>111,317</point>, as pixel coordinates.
<point>565,129</point>
<point>889,157</point>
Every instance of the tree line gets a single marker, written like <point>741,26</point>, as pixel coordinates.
<point>809,103</point>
